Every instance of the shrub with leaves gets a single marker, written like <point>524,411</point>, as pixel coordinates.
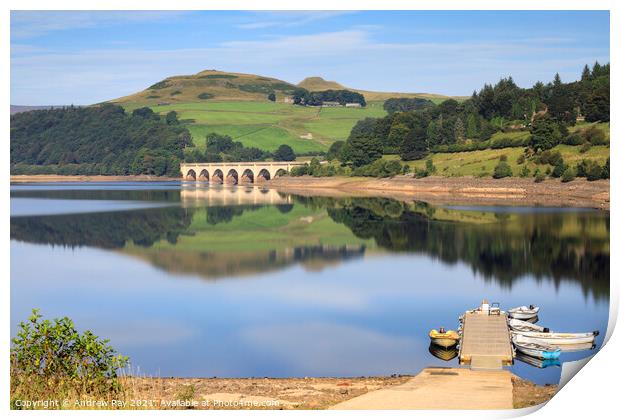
<point>51,359</point>
<point>568,175</point>
<point>502,170</point>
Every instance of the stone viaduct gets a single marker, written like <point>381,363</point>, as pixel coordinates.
<point>235,172</point>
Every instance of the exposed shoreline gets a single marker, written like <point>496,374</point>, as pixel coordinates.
<point>435,190</point>
<point>289,393</point>
<point>461,190</point>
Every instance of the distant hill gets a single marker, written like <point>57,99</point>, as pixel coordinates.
<point>225,86</point>
<point>15,109</point>
<point>210,85</point>
<point>316,83</point>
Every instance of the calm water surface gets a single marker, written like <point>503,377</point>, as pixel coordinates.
<point>239,282</point>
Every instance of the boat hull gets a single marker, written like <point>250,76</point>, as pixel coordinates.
<point>444,342</point>
<point>557,339</point>
<point>524,326</point>
<point>523,313</point>
<point>540,354</point>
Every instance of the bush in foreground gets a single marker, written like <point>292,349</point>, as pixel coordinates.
<point>51,360</point>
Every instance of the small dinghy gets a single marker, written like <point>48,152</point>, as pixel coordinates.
<point>523,312</point>
<point>525,326</point>
<point>443,353</point>
<point>444,338</point>
<point>558,339</point>
<point>535,348</point>
<point>536,362</point>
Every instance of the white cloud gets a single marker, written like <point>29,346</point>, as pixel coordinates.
<point>30,24</point>
<point>351,57</point>
<point>289,19</point>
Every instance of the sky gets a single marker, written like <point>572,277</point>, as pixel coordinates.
<point>73,57</point>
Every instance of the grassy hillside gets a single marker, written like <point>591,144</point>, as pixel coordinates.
<point>236,104</point>
<point>209,85</point>
<point>267,125</point>
<point>482,162</point>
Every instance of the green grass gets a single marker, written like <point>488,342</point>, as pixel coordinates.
<point>482,162</point>
<point>267,125</point>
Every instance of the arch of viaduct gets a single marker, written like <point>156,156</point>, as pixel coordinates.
<point>235,172</point>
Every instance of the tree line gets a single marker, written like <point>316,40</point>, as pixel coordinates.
<point>413,129</point>
<point>302,96</point>
<point>222,148</point>
<point>97,140</point>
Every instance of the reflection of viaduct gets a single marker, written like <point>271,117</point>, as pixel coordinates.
<point>225,196</point>
<point>235,172</point>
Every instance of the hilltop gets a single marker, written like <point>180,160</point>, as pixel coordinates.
<point>317,83</point>
<point>210,85</point>
<point>214,85</point>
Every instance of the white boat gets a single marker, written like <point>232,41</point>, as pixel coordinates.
<point>525,326</point>
<point>523,312</point>
<point>558,339</point>
<point>535,348</point>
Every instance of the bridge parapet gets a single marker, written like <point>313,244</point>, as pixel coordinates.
<point>235,172</point>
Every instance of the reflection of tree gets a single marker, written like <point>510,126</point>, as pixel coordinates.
<point>97,194</point>
<point>225,214</point>
<point>544,244</point>
<point>104,230</point>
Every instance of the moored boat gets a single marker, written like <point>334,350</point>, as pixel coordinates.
<point>525,326</point>
<point>536,348</point>
<point>443,353</point>
<point>523,312</point>
<point>444,338</point>
<point>557,339</point>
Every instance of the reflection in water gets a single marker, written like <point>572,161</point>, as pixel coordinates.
<point>410,266</point>
<point>503,247</point>
<point>536,362</point>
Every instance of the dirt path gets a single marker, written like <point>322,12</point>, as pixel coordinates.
<point>441,388</point>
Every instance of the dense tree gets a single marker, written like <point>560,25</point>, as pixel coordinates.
<point>393,105</point>
<point>97,140</point>
<point>145,112</point>
<point>415,144</point>
<point>362,146</point>
<point>284,153</point>
<point>545,133</point>
<point>303,97</point>
<point>272,97</point>
<point>172,118</point>
<point>597,105</point>
<point>334,150</point>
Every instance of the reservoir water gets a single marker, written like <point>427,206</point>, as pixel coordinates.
<point>192,280</point>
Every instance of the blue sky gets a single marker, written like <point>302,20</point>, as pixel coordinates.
<point>87,57</point>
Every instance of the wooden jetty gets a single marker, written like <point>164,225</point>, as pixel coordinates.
<point>485,340</point>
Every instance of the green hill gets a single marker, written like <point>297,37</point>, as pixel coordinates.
<point>210,85</point>
<point>236,104</point>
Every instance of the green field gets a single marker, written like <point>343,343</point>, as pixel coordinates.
<point>267,125</point>
<point>482,162</point>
